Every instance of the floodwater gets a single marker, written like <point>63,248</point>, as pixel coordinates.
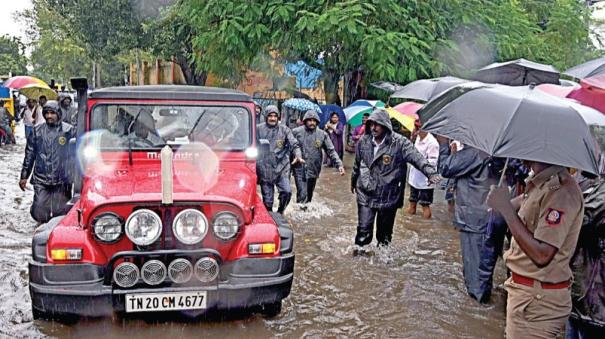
<point>413,289</point>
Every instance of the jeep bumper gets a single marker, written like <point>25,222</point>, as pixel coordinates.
<point>81,289</point>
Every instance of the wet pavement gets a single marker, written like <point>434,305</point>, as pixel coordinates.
<point>413,289</point>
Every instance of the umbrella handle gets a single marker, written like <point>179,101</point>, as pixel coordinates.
<point>503,173</point>
<point>490,223</point>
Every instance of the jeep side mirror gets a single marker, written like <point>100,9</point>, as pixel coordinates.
<point>264,146</point>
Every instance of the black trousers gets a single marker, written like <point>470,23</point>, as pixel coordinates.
<point>49,201</point>
<point>385,218</point>
<point>304,186</point>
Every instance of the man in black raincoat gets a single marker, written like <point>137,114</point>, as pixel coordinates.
<point>47,155</point>
<point>379,177</point>
<point>273,166</point>
<point>474,172</point>
<point>68,111</point>
<point>312,141</point>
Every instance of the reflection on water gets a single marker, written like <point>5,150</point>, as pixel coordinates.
<point>412,289</point>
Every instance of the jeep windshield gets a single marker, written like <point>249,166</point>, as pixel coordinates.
<point>137,127</point>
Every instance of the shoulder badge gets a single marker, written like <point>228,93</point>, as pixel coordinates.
<point>62,141</point>
<point>386,159</point>
<point>553,217</point>
<point>317,143</point>
<point>279,143</point>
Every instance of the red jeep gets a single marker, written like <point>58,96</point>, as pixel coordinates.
<point>165,215</point>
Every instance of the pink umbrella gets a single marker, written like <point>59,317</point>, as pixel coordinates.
<point>556,90</point>
<point>591,93</point>
<point>409,108</point>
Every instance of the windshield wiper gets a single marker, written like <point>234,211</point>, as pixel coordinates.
<point>130,127</point>
<point>197,121</point>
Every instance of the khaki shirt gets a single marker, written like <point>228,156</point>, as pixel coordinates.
<point>552,210</point>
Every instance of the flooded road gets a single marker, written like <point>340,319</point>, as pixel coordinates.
<point>413,289</point>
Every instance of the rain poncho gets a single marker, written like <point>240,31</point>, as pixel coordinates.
<point>380,179</point>
<point>312,142</point>
<point>588,262</point>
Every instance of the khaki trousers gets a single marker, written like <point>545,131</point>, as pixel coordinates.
<point>533,312</point>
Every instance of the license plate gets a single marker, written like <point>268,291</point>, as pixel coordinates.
<point>150,302</point>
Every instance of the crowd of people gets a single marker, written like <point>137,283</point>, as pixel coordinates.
<point>540,207</point>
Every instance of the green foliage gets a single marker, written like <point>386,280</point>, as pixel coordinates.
<point>12,58</point>
<point>171,37</point>
<point>395,40</point>
<point>105,27</point>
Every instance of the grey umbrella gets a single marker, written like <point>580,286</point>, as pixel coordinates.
<point>587,69</point>
<point>518,72</point>
<point>426,89</point>
<point>513,122</point>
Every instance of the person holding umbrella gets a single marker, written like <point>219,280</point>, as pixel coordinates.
<point>379,176</point>
<point>551,135</point>
<point>545,224</point>
<point>472,173</point>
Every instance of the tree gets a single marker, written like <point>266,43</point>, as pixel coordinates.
<point>56,54</point>
<point>386,39</point>
<point>171,38</point>
<point>105,28</point>
<point>12,56</point>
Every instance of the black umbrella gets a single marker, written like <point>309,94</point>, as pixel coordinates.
<point>518,72</point>
<point>387,86</point>
<point>426,89</point>
<point>513,122</point>
<point>588,69</point>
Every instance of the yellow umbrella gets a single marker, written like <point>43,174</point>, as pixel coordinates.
<point>405,120</point>
<point>34,91</point>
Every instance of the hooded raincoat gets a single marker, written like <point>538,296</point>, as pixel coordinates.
<point>69,113</point>
<point>312,142</point>
<point>271,165</point>
<point>47,155</point>
<point>474,172</point>
<point>380,179</point>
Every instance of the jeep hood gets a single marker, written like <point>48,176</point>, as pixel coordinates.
<point>234,183</point>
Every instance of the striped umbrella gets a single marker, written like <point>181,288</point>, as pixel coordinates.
<point>356,110</point>
<point>22,81</point>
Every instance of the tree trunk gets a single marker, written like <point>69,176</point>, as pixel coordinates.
<point>191,76</point>
<point>355,87</point>
<point>94,74</point>
<point>331,80</point>
<point>96,70</point>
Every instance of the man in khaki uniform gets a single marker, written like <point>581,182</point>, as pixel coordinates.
<point>545,224</point>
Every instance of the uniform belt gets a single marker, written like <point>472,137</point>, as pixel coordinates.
<point>519,279</point>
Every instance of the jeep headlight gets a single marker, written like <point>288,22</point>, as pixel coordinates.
<point>190,226</point>
<point>225,225</point>
<point>143,227</point>
<point>107,227</point>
